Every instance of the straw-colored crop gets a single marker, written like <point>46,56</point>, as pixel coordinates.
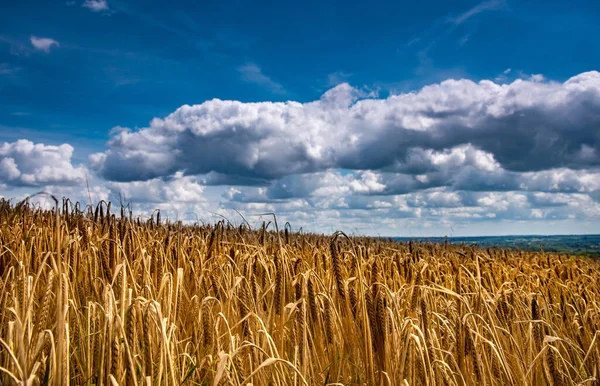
<point>97,299</point>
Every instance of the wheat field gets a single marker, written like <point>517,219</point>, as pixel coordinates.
<point>88,297</point>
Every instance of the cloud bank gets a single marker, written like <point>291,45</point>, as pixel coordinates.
<point>448,155</point>
<point>525,126</point>
<point>23,163</point>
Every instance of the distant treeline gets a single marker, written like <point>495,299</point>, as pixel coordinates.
<point>583,245</point>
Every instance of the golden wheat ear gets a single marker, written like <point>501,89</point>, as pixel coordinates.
<point>88,298</point>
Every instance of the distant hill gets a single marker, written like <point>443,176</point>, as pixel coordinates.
<point>568,244</point>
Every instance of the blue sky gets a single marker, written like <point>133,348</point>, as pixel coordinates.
<point>79,72</point>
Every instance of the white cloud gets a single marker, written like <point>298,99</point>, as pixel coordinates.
<point>479,8</point>
<point>368,182</point>
<point>23,163</point>
<point>449,155</point>
<point>96,5</point>
<point>482,129</point>
<point>179,189</point>
<point>7,69</point>
<point>9,169</point>
<point>252,73</point>
<point>335,78</point>
<point>454,154</point>
<point>561,180</point>
<point>436,209</point>
<point>43,44</point>
<point>435,199</point>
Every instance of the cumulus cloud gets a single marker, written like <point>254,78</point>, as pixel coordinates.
<point>179,189</point>
<point>179,198</point>
<point>314,186</point>
<point>437,208</point>
<point>457,132</point>
<point>43,44</point>
<point>452,153</point>
<point>23,163</point>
